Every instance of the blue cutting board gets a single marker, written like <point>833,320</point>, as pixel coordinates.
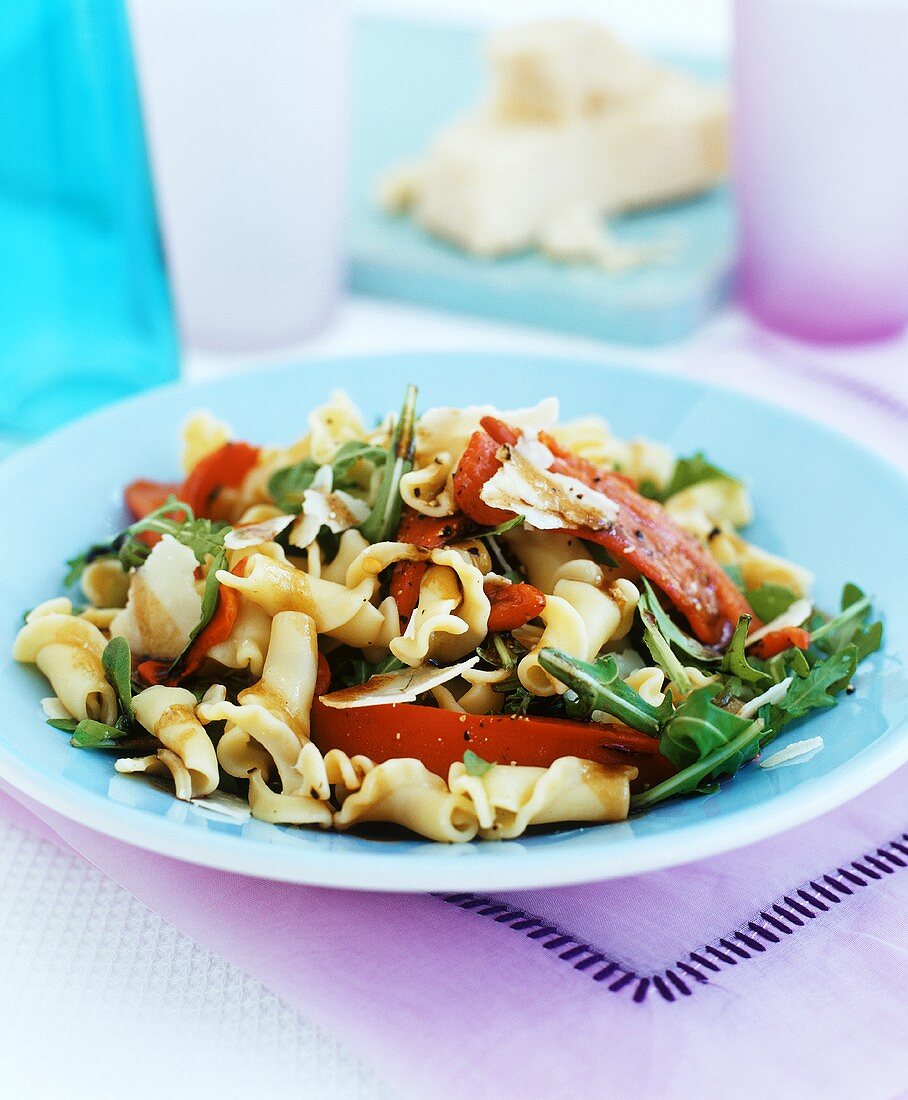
<point>413,77</point>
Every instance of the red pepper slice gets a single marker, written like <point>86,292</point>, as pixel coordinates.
<point>217,630</point>
<point>224,468</point>
<point>513,605</point>
<point>427,532</point>
<point>142,496</point>
<point>777,641</point>
<point>439,737</point>
<point>644,535</point>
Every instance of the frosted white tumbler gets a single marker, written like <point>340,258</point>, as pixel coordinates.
<point>245,105</point>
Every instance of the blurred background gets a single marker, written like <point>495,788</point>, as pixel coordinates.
<point>190,187</point>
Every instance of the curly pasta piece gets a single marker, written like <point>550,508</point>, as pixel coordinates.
<point>340,611</point>
<point>336,422</point>
<point>508,799</point>
<point>429,489</point>
<point>272,715</point>
<point>580,618</point>
<point>404,792</point>
<point>169,714</point>
<point>758,566</point>
<point>105,583</point>
<point>544,553</point>
<point>452,613</point>
<point>203,434</point>
<point>67,649</point>
<point>281,808</point>
<point>247,644</point>
<point>163,762</point>
<point>718,502</point>
<point>639,459</point>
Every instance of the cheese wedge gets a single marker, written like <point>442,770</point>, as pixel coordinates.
<point>567,133</point>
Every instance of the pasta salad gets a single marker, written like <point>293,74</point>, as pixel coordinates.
<point>466,623</point>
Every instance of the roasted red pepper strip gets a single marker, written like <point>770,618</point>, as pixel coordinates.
<point>439,737</point>
<point>142,497</point>
<point>643,535</point>
<point>513,605</point>
<point>224,468</point>
<point>217,630</point>
<point>777,641</point>
<point>478,463</point>
<point>427,532</point>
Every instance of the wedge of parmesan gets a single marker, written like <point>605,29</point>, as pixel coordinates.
<point>573,121</point>
<point>395,687</point>
<point>550,501</point>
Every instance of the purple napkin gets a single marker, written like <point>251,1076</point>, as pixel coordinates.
<point>780,966</point>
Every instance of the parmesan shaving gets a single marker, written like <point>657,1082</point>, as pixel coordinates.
<point>395,687</point>
<point>337,510</point>
<point>798,752</point>
<point>525,484</point>
<point>792,616</point>
<point>221,805</point>
<point>254,534</point>
<point>54,709</point>
<point>772,695</point>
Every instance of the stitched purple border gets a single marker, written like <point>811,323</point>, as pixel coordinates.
<point>780,918</point>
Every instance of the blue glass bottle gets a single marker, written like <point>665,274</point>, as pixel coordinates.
<point>85,315</point>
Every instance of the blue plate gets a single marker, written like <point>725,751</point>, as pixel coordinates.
<point>819,499</point>
<point>414,77</point>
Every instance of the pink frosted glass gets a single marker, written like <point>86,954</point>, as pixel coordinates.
<point>821,166</point>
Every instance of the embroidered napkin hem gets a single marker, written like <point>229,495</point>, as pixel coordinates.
<point>782,917</point>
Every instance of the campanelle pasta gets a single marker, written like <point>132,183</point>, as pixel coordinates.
<point>467,624</point>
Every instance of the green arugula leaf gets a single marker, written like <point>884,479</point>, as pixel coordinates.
<point>699,727</point>
<point>737,576</point>
<point>502,528</point>
<point>670,630</point>
<point>68,725</point>
<point>849,627</point>
<point>735,659</point>
<point>691,471</point>
<point>598,687</point>
<point>203,536</point>
<point>517,700</point>
<point>117,662</point>
<point>698,777</point>
<point>791,662</point>
<point>355,670</point>
<point>662,653</point>
<point>288,484</point>
<point>475,765</point>
<point>867,641</point>
<point>815,690</point>
<point>770,600</point>
<point>348,454</point>
<point>89,734</point>
<point>382,522</point>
